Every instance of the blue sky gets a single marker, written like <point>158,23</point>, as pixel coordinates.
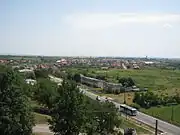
<point>90,27</point>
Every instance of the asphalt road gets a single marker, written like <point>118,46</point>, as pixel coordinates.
<point>167,128</point>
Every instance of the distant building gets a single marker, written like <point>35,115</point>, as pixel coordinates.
<point>135,66</point>
<point>55,79</point>
<point>148,62</point>
<point>104,68</point>
<point>92,81</point>
<point>112,86</point>
<point>31,81</point>
<point>25,70</point>
<point>100,83</point>
<point>62,62</point>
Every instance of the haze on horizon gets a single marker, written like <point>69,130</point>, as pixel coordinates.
<point>91,28</point>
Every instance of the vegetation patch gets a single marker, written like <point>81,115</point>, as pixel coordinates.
<point>157,80</point>
<point>129,124</point>
<point>167,113</point>
<point>41,118</point>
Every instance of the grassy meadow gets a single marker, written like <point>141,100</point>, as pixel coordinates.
<point>156,80</point>
<point>167,113</point>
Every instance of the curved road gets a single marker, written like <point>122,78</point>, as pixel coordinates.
<point>144,118</point>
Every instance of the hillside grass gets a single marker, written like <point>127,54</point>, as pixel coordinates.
<point>165,113</point>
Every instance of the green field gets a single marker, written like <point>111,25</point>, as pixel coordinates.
<point>157,80</point>
<point>165,113</point>
<point>154,79</point>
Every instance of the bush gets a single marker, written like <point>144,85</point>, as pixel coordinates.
<point>149,99</point>
<point>41,110</point>
<point>134,105</point>
<point>117,91</point>
<point>101,77</point>
<point>41,73</point>
<point>127,82</point>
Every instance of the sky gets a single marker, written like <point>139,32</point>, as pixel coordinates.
<point>125,28</point>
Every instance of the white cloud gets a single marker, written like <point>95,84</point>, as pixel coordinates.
<point>104,20</point>
<point>167,25</point>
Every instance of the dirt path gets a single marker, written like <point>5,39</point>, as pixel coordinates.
<point>42,128</point>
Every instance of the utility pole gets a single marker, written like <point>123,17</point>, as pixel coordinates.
<point>172,113</point>
<point>124,97</point>
<point>156,129</point>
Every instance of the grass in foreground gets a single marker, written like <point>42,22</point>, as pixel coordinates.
<point>165,113</point>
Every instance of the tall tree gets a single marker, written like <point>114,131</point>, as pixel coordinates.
<point>45,92</point>
<point>74,113</point>
<point>69,111</point>
<point>77,77</point>
<point>15,112</point>
<point>41,73</point>
<point>101,118</point>
<point>126,82</point>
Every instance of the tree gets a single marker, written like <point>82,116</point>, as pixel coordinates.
<point>77,77</point>
<point>74,113</point>
<point>102,118</point>
<point>30,75</point>
<point>15,113</point>
<point>126,82</point>
<point>130,81</point>
<point>45,92</point>
<point>107,118</point>
<point>68,111</point>
<point>123,81</point>
<point>69,76</point>
<point>41,73</point>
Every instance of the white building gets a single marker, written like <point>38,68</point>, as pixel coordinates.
<point>31,81</point>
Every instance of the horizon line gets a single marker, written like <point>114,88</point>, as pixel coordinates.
<point>35,55</point>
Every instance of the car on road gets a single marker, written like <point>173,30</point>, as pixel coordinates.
<point>98,99</point>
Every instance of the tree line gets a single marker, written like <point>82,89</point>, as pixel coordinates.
<point>150,99</point>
